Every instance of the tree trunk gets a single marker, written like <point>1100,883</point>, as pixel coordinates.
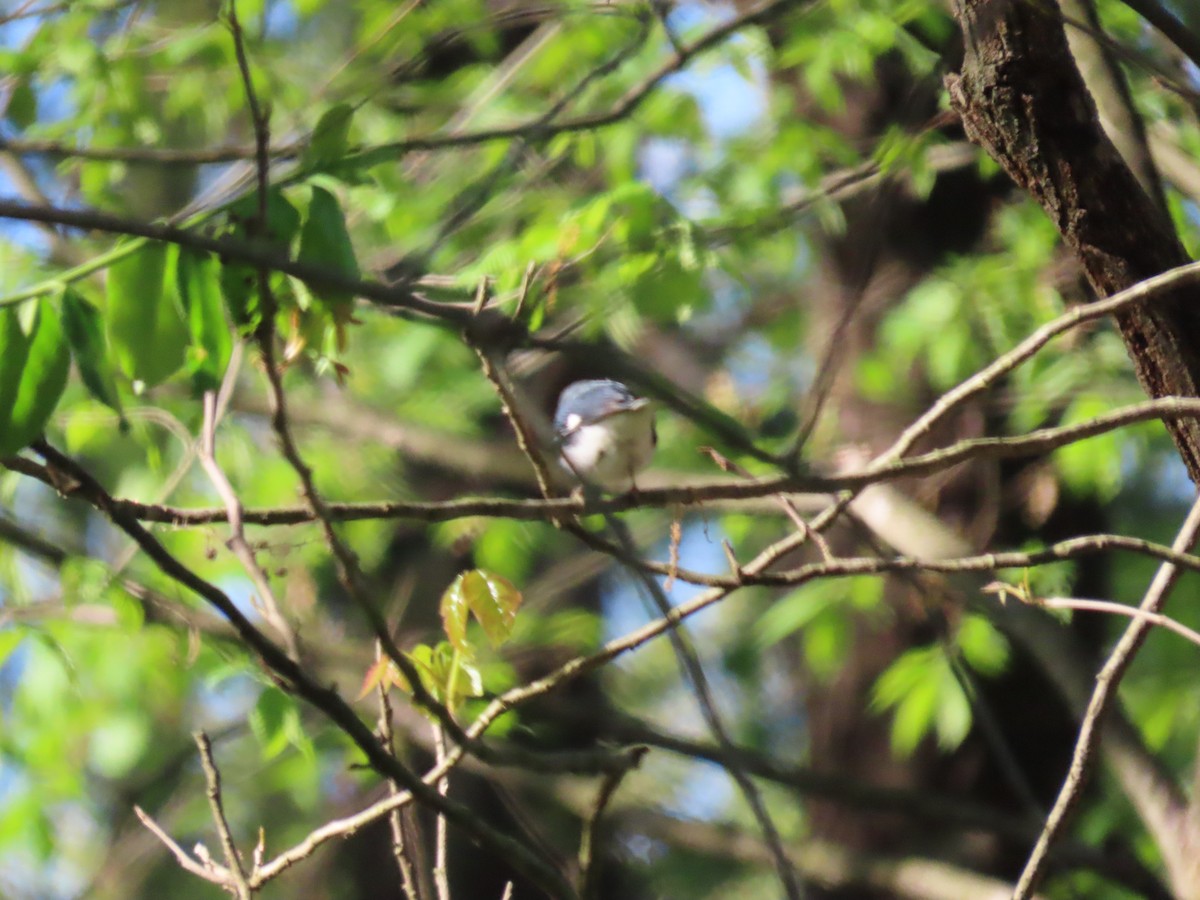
<point>1022,99</point>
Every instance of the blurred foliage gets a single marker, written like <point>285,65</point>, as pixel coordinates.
<point>691,216</point>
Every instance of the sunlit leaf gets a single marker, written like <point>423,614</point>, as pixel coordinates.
<point>198,277</point>
<point>455,611</point>
<point>383,673</point>
<point>325,242</point>
<point>42,377</point>
<point>145,329</point>
<point>982,645</point>
<point>328,142</point>
<point>274,721</point>
<point>239,282</point>
<point>84,328</point>
<point>116,744</point>
<point>491,598</point>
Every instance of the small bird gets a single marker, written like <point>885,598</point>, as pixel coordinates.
<point>606,434</point>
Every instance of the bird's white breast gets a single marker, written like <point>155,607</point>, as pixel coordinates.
<point>610,452</point>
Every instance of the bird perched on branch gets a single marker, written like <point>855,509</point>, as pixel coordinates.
<point>606,434</point>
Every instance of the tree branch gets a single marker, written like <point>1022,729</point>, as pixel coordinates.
<point>1021,98</point>
<point>293,677</point>
<point>1164,823</point>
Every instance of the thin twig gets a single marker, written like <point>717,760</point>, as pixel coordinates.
<point>1002,365</point>
<point>294,678</point>
<point>542,127</point>
<point>212,778</point>
<point>1119,609</point>
<point>693,673</point>
<point>589,880</point>
<point>346,563</point>
<point>527,438</point>
<point>397,296</point>
<point>1035,443</point>
<point>1106,685</point>
<point>163,156</point>
<point>267,603</point>
<point>87,489</point>
<point>441,875</point>
<point>784,502</point>
<point>213,872</point>
<point>688,660</point>
<point>408,880</point>
<point>1174,30</point>
<point>258,115</point>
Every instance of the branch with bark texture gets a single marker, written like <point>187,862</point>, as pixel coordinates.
<point>1022,99</point>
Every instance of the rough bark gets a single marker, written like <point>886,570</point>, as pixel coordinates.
<point>1022,99</point>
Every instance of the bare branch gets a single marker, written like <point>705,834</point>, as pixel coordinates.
<point>441,875</point>
<point>211,872</point>
<point>1002,365</point>
<point>400,850</point>
<point>212,778</point>
<point>1119,609</point>
<point>206,453</point>
<point>588,879</point>
<point>1174,30</point>
<point>1106,684</point>
<point>542,127</point>
<point>293,677</point>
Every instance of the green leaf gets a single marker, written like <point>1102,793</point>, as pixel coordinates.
<point>43,376</point>
<point>468,682</point>
<point>198,278</point>
<point>239,287</point>
<point>239,282</point>
<point>283,220</point>
<point>953,718</point>
<point>492,599</point>
<point>10,640</point>
<point>22,104</point>
<point>117,743</point>
<point>271,720</point>
<point>982,645</point>
<point>325,242</point>
<point>14,347</point>
<point>790,613</point>
<point>328,142</point>
<point>145,329</point>
<point>445,673</point>
<point>925,696</point>
<point>84,327</point>
<point>454,612</point>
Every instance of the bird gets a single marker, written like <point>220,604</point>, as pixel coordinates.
<point>606,433</point>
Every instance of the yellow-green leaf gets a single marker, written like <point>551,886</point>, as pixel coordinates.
<point>198,278</point>
<point>145,329</point>
<point>324,241</point>
<point>454,612</point>
<point>84,328</point>
<point>494,600</point>
<point>14,347</point>
<point>43,376</point>
<point>328,142</point>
